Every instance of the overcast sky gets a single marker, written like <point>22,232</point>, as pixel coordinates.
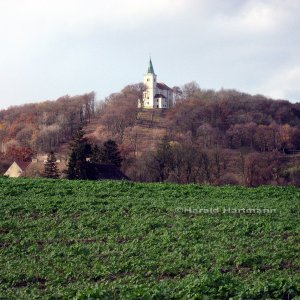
<point>52,48</point>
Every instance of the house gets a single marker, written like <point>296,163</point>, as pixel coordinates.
<point>17,169</point>
<point>32,169</point>
<point>104,172</point>
<point>157,94</point>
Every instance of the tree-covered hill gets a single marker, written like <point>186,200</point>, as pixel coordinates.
<point>214,137</point>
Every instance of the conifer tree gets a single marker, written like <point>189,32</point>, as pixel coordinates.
<point>111,153</point>
<point>97,155</point>
<point>79,151</point>
<point>50,167</point>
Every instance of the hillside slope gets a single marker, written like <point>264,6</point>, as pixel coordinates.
<point>148,130</point>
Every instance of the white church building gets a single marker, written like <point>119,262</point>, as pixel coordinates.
<point>157,94</point>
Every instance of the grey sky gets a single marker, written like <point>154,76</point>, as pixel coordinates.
<point>52,48</point>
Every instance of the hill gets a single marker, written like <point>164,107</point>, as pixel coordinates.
<point>223,137</point>
<point>86,240</point>
<point>215,137</point>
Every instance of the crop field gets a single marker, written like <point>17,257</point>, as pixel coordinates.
<point>64,239</point>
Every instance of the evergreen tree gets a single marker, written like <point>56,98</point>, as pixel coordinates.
<point>97,155</point>
<point>111,153</point>
<point>50,167</point>
<point>79,151</point>
<point>162,159</point>
<point>71,172</point>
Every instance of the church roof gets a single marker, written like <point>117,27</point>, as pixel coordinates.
<point>150,68</point>
<point>159,96</point>
<point>163,86</point>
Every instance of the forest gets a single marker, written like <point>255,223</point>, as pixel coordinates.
<point>212,137</point>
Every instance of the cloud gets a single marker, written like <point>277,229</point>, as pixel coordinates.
<point>284,85</point>
<point>31,27</point>
<point>49,48</point>
<point>257,17</point>
<point>67,15</point>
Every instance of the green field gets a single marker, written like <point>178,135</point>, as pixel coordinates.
<point>109,240</point>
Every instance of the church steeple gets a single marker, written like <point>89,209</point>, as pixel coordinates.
<point>156,95</point>
<point>150,68</point>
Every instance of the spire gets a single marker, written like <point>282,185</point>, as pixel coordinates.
<point>150,68</point>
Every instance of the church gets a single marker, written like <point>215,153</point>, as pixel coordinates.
<point>157,94</point>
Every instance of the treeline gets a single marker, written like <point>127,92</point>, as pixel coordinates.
<point>187,162</point>
<point>230,110</point>
<point>43,126</point>
<point>214,137</point>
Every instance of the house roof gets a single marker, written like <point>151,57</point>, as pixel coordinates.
<point>104,171</point>
<point>22,164</point>
<point>163,86</point>
<point>150,69</point>
<point>12,171</point>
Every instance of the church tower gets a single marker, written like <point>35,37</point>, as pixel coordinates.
<point>150,83</point>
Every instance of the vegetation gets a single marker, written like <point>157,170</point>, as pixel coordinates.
<point>80,149</point>
<point>85,240</point>
<point>111,154</point>
<point>85,157</point>
<point>214,137</point>
<point>44,126</point>
<point>50,167</point>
